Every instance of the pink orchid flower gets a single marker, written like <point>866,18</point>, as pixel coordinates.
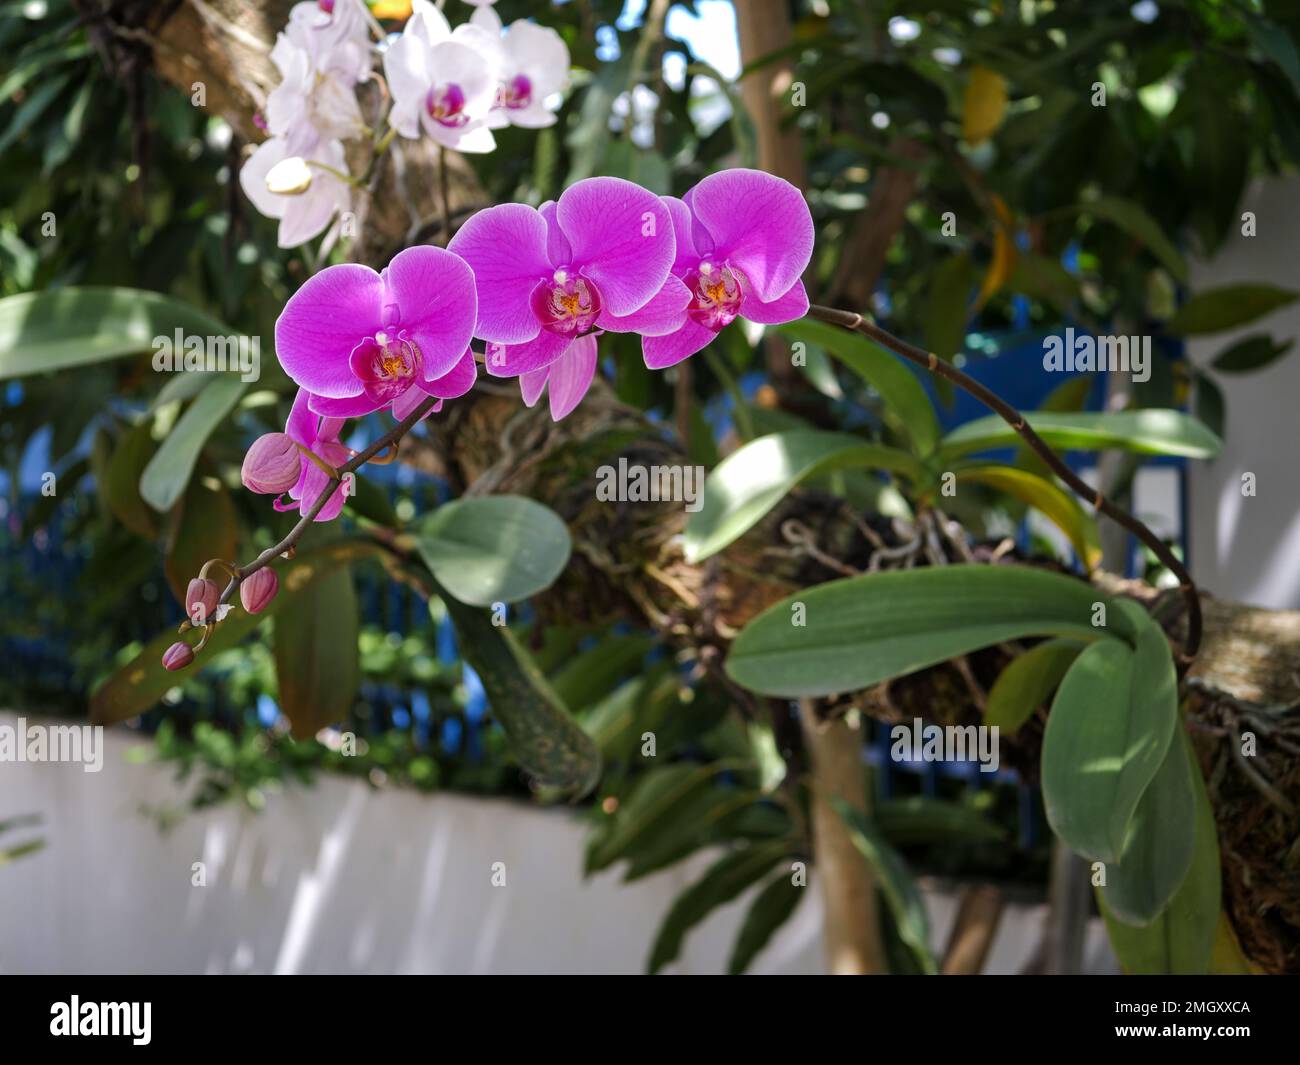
<point>358,341</point>
<point>598,259</point>
<point>744,238</point>
<point>321,437</point>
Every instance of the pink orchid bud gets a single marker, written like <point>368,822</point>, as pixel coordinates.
<point>201,599</point>
<point>272,464</point>
<point>257,590</point>
<point>178,656</point>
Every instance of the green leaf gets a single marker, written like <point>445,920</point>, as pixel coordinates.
<point>52,330</point>
<point>136,686</point>
<point>168,472</point>
<point>121,486</point>
<point>1147,432</point>
<point>1027,681</point>
<point>494,549</point>
<point>543,736</point>
<point>1209,404</point>
<point>1158,851</point>
<point>896,884</point>
<point>1182,939</point>
<point>1135,221</point>
<point>908,406</point>
<point>723,881</point>
<point>753,479</point>
<point>317,664</point>
<point>1107,734</point>
<point>1227,307</point>
<point>1253,353</point>
<point>653,804</point>
<point>920,819</point>
<point>948,305</point>
<point>593,674</point>
<point>857,632</point>
<point>770,909</point>
<point>1054,502</point>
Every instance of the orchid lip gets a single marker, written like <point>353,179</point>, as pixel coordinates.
<point>717,293</point>
<point>568,303</point>
<point>446,105</point>
<point>516,94</point>
<point>386,364</point>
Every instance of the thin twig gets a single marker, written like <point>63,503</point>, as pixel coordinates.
<point>931,362</point>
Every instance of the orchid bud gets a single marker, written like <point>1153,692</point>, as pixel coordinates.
<point>272,464</point>
<point>257,590</point>
<point>201,599</point>
<point>289,177</point>
<point>178,656</point>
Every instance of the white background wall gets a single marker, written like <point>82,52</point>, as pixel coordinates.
<point>340,878</point>
<point>1241,548</point>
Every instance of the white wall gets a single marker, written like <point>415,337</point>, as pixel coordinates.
<point>342,878</point>
<point>1242,548</point>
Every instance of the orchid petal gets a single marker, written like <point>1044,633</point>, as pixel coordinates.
<point>321,324</point>
<point>436,301</point>
<point>665,313</point>
<point>571,376</point>
<point>622,239</point>
<point>505,246</point>
<point>786,308</point>
<point>662,352</point>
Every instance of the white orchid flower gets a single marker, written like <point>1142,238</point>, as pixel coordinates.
<point>534,66</point>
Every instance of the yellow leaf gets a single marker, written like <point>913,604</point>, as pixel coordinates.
<point>984,106</point>
<point>1003,262</point>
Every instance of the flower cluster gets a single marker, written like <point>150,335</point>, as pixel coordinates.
<point>299,174</point>
<point>454,86</point>
<point>538,286</point>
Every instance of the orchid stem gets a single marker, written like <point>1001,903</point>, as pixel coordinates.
<point>927,360</point>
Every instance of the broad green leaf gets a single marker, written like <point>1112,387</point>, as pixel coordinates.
<point>1182,939</point>
<point>854,633</point>
<point>59,328</point>
<point>121,487</point>
<point>1227,307</point>
<point>593,674</point>
<point>1107,734</point>
<point>895,882</point>
<point>1147,432</point>
<point>494,549</point>
<point>1135,221</point>
<point>1253,353</point>
<point>948,305</point>
<point>906,400</point>
<point>549,744</point>
<point>203,527</point>
<point>721,883</point>
<point>1227,958</point>
<point>1158,850</point>
<point>1027,681</point>
<point>770,909</point>
<point>136,686</point>
<point>753,479</point>
<point>1058,505</point>
<point>168,472</point>
<point>316,659</point>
